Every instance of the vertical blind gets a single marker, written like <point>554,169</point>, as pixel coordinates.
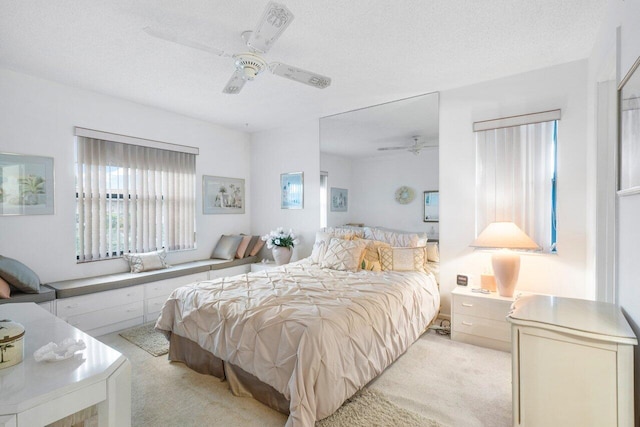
<point>132,198</point>
<point>515,179</point>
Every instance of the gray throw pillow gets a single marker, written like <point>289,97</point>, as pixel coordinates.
<point>226,247</point>
<point>19,276</point>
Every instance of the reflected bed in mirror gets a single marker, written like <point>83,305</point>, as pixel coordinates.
<point>372,152</point>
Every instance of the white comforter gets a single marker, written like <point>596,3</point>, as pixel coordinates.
<point>315,335</point>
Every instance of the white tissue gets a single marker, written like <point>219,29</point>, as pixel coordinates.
<point>53,352</point>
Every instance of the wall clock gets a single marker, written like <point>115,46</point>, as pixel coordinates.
<point>404,195</point>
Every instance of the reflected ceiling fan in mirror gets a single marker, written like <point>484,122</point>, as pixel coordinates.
<point>414,148</point>
<point>275,19</point>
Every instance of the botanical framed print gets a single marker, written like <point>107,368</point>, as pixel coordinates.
<point>222,195</point>
<point>431,206</point>
<point>292,190</point>
<point>26,185</point>
<point>339,199</point>
<point>629,135</point>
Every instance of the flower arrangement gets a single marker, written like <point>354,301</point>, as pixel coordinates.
<point>279,237</point>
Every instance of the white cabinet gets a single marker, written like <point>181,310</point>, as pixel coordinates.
<point>228,272</point>
<point>481,319</point>
<point>572,363</point>
<point>156,293</point>
<point>261,266</point>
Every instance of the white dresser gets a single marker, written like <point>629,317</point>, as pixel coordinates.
<point>481,319</point>
<point>572,363</point>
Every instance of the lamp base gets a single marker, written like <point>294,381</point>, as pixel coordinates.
<point>506,267</point>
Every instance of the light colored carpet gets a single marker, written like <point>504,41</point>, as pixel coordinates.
<point>147,338</point>
<point>453,383</point>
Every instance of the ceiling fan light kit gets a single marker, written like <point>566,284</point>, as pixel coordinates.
<point>274,20</point>
<point>414,148</point>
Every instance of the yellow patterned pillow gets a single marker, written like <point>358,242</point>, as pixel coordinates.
<point>371,249</point>
<point>370,265</point>
<point>402,259</point>
<point>343,254</point>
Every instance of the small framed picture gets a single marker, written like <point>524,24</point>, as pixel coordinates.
<point>222,195</point>
<point>431,206</point>
<point>292,190</point>
<point>339,199</point>
<point>26,185</point>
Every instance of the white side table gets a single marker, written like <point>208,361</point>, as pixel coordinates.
<point>572,363</point>
<point>261,266</point>
<point>39,393</point>
<point>481,319</point>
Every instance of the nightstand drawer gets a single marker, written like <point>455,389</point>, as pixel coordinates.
<point>495,329</point>
<point>482,307</point>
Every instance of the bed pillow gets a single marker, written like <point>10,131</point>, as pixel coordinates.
<point>5,290</point>
<point>371,256</point>
<point>396,238</point>
<point>345,231</point>
<point>320,246</point>
<point>242,247</point>
<point>344,255</point>
<point>19,276</point>
<point>402,259</point>
<point>146,261</point>
<point>226,247</point>
<point>433,252</point>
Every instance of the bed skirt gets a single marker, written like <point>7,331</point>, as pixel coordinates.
<point>240,381</point>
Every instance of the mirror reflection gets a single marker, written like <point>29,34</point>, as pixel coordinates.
<point>379,161</point>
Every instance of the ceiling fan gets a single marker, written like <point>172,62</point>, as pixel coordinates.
<point>414,148</point>
<point>275,19</point>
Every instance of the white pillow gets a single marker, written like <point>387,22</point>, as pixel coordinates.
<point>344,255</point>
<point>396,238</point>
<point>433,252</point>
<point>402,259</point>
<point>147,261</point>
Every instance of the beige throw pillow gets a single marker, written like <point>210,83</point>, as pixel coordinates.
<point>5,290</point>
<point>344,255</point>
<point>402,259</point>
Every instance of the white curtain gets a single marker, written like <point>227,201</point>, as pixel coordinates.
<point>514,176</point>
<point>132,199</point>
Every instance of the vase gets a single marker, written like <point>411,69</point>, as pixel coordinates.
<point>281,255</point>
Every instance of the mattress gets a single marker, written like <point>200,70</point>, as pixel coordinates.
<point>315,335</point>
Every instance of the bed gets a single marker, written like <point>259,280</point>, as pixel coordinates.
<point>300,338</point>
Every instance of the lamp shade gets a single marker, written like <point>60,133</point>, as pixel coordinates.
<point>504,235</point>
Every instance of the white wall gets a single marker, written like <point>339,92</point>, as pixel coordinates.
<point>624,15</point>
<point>375,181</point>
<point>37,117</point>
<point>295,149</point>
<point>563,87</point>
<point>339,176</point>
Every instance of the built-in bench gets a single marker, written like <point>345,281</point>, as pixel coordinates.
<point>103,304</point>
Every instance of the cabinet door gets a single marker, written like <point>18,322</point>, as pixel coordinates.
<point>564,381</point>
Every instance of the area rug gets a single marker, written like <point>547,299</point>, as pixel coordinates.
<point>370,408</point>
<point>147,338</point>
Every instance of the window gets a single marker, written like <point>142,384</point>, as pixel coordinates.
<point>324,197</point>
<point>516,174</point>
<point>132,198</point>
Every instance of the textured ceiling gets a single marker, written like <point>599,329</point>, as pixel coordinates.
<point>375,51</point>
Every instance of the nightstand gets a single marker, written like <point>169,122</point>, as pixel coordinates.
<point>261,266</point>
<point>480,319</point>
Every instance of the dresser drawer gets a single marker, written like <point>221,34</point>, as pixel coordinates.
<point>481,307</point>
<point>154,305</point>
<point>97,319</point>
<point>228,272</point>
<point>165,287</point>
<point>67,307</point>
<point>495,329</point>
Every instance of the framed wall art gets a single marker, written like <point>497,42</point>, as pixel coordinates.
<point>339,199</point>
<point>26,185</point>
<point>431,206</point>
<point>222,195</point>
<point>629,136</point>
<point>292,190</point>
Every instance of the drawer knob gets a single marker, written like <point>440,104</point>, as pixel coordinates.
<point>467,304</point>
<point>72,305</point>
<point>465,323</point>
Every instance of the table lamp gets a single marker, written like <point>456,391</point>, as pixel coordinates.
<point>506,263</point>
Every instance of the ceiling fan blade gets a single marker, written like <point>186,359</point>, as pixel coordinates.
<point>393,148</point>
<point>274,20</point>
<point>174,38</point>
<point>300,75</point>
<point>235,84</point>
